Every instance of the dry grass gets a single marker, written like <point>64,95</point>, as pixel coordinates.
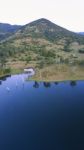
<point>59,73</point>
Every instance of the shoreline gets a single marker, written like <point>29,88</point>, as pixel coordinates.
<point>53,73</point>
<point>45,80</point>
<point>59,80</point>
<point>5,75</point>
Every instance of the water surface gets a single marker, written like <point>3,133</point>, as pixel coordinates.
<point>41,116</point>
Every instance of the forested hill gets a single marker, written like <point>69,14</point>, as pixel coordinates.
<point>42,41</point>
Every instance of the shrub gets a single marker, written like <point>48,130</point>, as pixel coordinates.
<point>81,50</point>
<point>7,70</point>
<point>28,59</point>
<point>81,62</point>
<point>41,64</point>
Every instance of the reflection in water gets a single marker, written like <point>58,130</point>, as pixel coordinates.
<point>4,77</point>
<point>0,82</point>
<point>30,74</point>
<point>47,84</point>
<point>36,84</point>
<point>73,83</point>
<point>56,83</point>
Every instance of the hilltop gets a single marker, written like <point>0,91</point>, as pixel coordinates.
<point>43,28</point>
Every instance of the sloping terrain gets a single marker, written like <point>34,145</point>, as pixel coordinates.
<point>6,30</point>
<point>42,43</point>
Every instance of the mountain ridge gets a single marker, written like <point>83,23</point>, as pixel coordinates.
<point>41,27</point>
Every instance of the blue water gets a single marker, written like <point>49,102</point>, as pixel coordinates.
<point>40,115</point>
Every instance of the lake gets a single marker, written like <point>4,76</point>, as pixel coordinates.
<point>40,115</point>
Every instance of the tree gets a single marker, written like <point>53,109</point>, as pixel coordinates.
<point>3,62</point>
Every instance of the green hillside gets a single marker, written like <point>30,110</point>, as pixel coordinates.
<point>42,43</point>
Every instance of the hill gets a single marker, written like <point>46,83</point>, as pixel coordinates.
<point>42,43</point>
<point>43,28</point>
<point>6,30</point>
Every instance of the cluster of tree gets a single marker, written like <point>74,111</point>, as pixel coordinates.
<point>48,54</point>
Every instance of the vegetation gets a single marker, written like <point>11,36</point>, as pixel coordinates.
<point>40,44</point>
<point>59,72</point>
<point>81,50</point>
<point>6,30</point>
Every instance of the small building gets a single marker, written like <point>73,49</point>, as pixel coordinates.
<point>29,70</point>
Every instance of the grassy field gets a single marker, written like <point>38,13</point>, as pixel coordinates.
<point>60,72</point>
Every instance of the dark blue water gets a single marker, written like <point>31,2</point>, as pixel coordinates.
<point>40,115</point>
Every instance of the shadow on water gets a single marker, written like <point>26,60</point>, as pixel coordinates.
<point>4,78</point>
<point>56,83</point>
<point>73,83</point>
<point>36,84</point>
<point>47,84</point>
<point>0,82</point>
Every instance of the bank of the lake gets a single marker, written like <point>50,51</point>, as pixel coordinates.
<point>55,72</point>
<point>58,72</point>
